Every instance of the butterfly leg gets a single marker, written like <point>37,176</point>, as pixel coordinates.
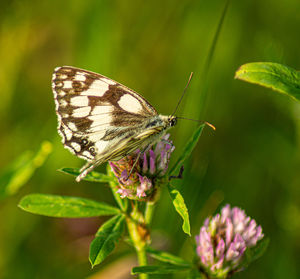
<point>167,142</point>
<point>88,167</point>
<point>136,160</point>
<point>179,176</point>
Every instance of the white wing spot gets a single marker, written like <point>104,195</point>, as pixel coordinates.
<point>80,77</point>
<point>81,112</point>
<point>128,103</point>
<point>54,93</point>
<point>63,76</point>
<point>63,103</point>
<point>101,110</point>
<point>87,154</point>
<point>97,88</point>
<point>101,115</point>
<point>68,84</point>
<point>67,132</point>
<point>72,126</point>
<point>56,104</point>
<point>67,70</point>
<point>79,101</point>
<point>71,149</point>
<point>108,81</point>
<point>98,135</point>
<point>61,93</point>
<point>59,84</point>
<point>65,115</point>
<point>76,146</point>
<point>101,145</point>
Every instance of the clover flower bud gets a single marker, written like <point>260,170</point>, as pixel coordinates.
<point>151,166</point>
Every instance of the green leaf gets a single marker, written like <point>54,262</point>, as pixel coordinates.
<point>167,258</point>
<point>276,76</point>
<point>181,208</point>
<point>158,269</point>
<point>187,149</point>
<point>195,274</point>
<point>106,238</point>
<point>66,207</point>
<point>123,203</point>
<point>252,254</point>
<point>93,176</point>
<point>20,171</point>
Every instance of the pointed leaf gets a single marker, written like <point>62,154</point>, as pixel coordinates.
<point>123,203</point>
<point>276,76</point>
<point>181,208</point>
<point>66,207</point>
<point>195,274</point>
<point>167,257</point>
<point>252,254</point>
<point>106,238</point>
<point>187,149</point>
<point>22,169</point>
<point>93,176</point>
<point>158,269</point>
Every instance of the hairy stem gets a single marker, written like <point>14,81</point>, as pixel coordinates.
<point>139,243</point>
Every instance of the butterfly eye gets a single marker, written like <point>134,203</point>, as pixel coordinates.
<point>173,122</point>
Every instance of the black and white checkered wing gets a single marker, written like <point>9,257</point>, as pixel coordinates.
<point>94,112</point>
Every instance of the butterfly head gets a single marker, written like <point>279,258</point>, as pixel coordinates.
<point>172,121</point>
<point>167,122</point>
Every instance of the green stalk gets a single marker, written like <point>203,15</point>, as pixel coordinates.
<point>150,206</point>
<point>214,42</point>
<point>209,59</point>
<point>138,242</point>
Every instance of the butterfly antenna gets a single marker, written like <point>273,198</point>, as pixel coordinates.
<point>187,85</point>
<point>199,121</point>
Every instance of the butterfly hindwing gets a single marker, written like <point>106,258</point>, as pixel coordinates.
<point>95,112</point>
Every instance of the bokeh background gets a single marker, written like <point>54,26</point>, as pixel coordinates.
<point>252,160</point>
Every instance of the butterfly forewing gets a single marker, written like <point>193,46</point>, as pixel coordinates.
<point>96,113</point>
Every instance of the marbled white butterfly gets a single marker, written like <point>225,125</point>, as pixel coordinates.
<point>102,120</point>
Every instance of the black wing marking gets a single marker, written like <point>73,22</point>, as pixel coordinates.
<point>94,111</point>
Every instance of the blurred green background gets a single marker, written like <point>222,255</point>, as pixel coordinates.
<point>252,160</point>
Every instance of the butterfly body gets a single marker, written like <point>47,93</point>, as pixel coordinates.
<point>102,120</point>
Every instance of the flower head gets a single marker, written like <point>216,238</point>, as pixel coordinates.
<point>223,240</point>
<point>137,180</point>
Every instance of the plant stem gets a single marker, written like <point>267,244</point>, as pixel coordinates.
<point>149,212</point>
<point>138,242</point>
<point>208,62</point>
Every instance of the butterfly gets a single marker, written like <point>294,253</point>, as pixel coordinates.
<point>102,120</point>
